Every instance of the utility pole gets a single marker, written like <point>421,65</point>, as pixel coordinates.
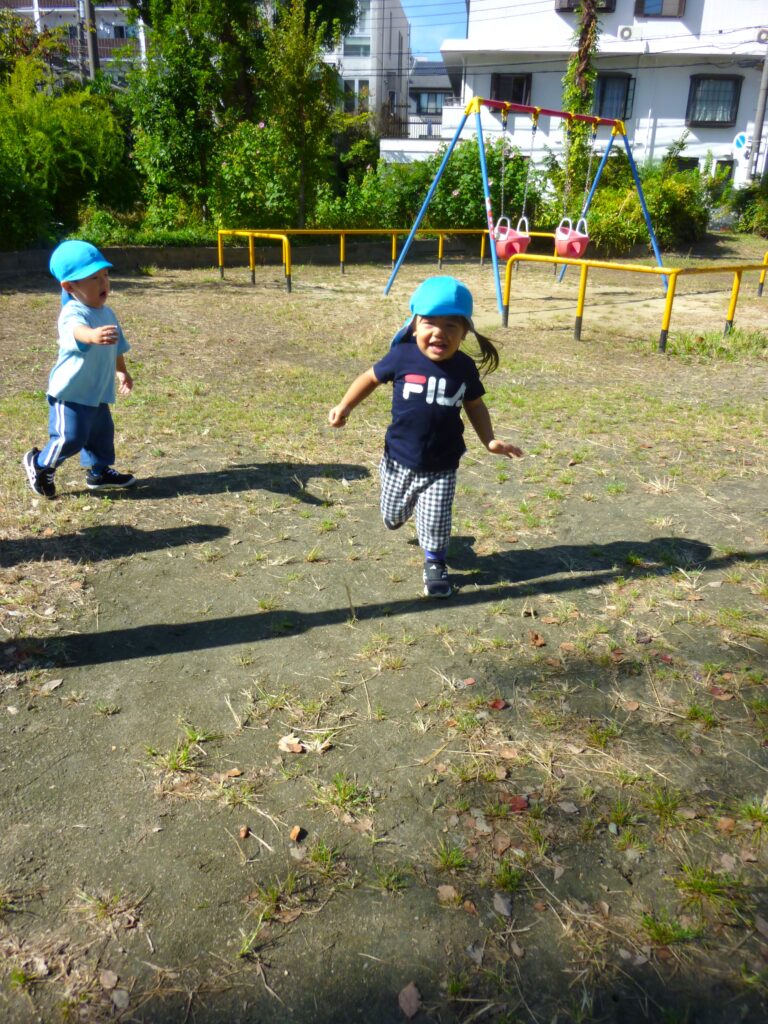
<point>759,119</point>
<point>90,38</point>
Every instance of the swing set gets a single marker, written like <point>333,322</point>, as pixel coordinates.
<point>570,242</point>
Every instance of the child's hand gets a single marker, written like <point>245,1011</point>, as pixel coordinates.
<point>503,448</point>
<point>106,335</point>
<point>337,417</point>
<point>124,382</point>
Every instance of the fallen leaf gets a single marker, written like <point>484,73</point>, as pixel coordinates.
<point>666,658</point>
<point>409,1000</point>
<point>536,639</point>
<point>725,824</point>
<point>720,694</point>
<point>631,705</point>
<point>553,663</point>
<point>362,824</point>
<point>748,857</point>
<point>517,949</point>
<point>551,620</point>
<point>567,647</point>
<point>233,773</point>
<point>498,705</point>
<point>244,832</point>
<point>121,998</point>
<point>540,906</point>
<point>728,861</point>
<point>51,685</point>
<point>501,844</point>
<point>475,953</point>
<point>516,804</point>
<point>509,753</point>
<point>603,908</point>
<point>290,744</point>
<point>643,638</point>
<point>108,979</point>
<point>296,833</point>
<point>558,872</point>
<point>568,806</point>
<point>618,656</point>
<point>288,916</point>
<point>468,682</point>
<point>469,906</point>
<point>447,894</point>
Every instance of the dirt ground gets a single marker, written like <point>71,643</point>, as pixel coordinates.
<point>249,773</point>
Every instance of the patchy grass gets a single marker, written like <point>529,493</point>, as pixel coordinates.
<point>225,691</point>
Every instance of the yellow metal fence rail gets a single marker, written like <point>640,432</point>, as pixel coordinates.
<point>673,273</point>
<point>343,233</point>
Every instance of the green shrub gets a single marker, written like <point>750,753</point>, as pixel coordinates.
<point>751,207</point>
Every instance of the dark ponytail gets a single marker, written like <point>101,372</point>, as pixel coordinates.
<point>489,355</point>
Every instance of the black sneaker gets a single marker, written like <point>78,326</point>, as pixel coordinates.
<point>39,480</point>
<point>436,579</point>
<point>108,478</point>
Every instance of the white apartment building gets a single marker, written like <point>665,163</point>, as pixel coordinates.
<point>664,67</point>
<point>113,30</point>
<point>373,59</point>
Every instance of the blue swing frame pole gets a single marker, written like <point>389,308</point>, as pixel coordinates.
<point>489,210</point>
<point>592,190</point>
<point>644,208</point>
<point>424,205</point>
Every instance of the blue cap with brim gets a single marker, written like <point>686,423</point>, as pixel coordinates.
<point>438,296</point>
<point>74,260</point>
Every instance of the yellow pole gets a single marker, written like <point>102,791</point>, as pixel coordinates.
<point>732,303</point>
<point>342,250</point>
<point>220,245</point>
<point>580,302</point>
<point>482,249</point>
<point>668,310</point>
<point>252,256</point>
<point>761,280</point>
<point>394,248</point>
<point>440,249</point>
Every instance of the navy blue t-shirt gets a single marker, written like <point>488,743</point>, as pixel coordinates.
<point>426,432</point>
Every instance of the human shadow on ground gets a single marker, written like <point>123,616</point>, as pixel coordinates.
<point>100,543</point>
<point>160,639</point>
<point>520,564</point>
<point>288,478</point>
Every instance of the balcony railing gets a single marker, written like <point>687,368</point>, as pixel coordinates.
<point>405,124</point>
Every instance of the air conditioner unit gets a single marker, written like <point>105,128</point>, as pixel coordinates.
<point>629,33</point>
<point>762,35</point>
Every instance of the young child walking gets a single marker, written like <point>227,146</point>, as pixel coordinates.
<point>432,380</point>
<point>81,386</point>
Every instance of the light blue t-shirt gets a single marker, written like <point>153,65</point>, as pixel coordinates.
<point>85,373</point>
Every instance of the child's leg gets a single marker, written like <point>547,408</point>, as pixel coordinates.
<point>398,493</point>
<point>434,512</point>
<point>69,426</point>
<point>98,451</point>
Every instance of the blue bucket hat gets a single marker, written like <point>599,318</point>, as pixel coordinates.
<point>439,296</point>
<point>74,260</point>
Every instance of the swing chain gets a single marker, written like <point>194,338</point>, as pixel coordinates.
<point>504,114</point>
<point>566,169</point>
<point>534,126</point>
<point>593,142</point>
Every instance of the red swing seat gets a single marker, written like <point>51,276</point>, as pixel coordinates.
<point>570,242</point>
<point>511,241</point>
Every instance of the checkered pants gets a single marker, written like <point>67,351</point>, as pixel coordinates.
<point>430,494</point>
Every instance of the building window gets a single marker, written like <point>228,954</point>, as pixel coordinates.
<point>614,96</point>
<point>429,102</point>
<point>659,8</point>
<point>357,46</point>
<point>363,93</point>
<point>120,32</point>
<point>511,88</point>
<point>349,96</point>
<point>713,100</point>
<point>571,5</point>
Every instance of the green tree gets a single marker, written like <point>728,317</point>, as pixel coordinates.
<point>578,95</point>
<point>301,104</point>
<point>19,38</point>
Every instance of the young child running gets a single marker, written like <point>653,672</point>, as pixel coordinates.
<point>432,379</point>
<point>82,383</point>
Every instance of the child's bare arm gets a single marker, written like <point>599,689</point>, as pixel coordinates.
<point>480,418</point>
<point>124,379</point>
<point>107,335</point>
<point>357,392</point>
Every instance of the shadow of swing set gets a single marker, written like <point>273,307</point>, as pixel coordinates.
<point>510,244</point>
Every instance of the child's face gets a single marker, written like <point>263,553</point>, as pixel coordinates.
<point>91,291</point>
<point>439,337</point>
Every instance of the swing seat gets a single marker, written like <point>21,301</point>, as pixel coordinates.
<point>570,242</point>
<point>511,241</point>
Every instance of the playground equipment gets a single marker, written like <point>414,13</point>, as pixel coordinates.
<point>475,106</point>
<point>571,242</point>
<point>513,241</point>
